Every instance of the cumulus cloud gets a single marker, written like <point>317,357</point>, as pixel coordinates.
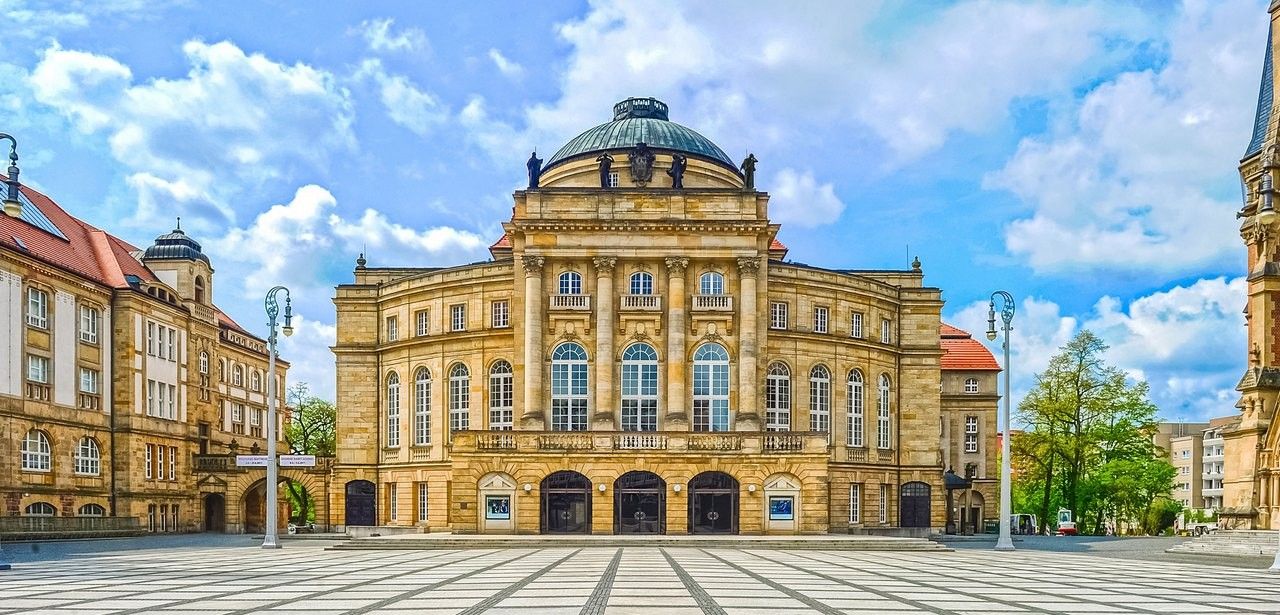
<point>406,104</point>
<point>307,351</point>
<point>380,36</point>
<point>797,198</point>
<point>506,66</point>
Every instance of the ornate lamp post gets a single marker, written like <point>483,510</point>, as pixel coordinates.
<point>1005,542</point>
<point>271,540</point>
<point>12,206</point>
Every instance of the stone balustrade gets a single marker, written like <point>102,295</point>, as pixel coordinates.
<point>577,303</point>
<point>670,441</point>
<point>713,303</point>
<point>641,303</point>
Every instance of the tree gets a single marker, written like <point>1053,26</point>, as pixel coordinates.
<point>312,430</point>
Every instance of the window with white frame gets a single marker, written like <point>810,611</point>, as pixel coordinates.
<point>152,399</point>
<point>458,317</point>
<point>777,398</point>
<point>642,283</point>
<point>151,339</point>
<point>38,369</point>
<point>39,509</point>
<point>92,510</point>
<point>501,312</point>
<point>971,385</point>
<point>422,407</point>
<point>393,501</point>
<point>569,391</point>
<point>237,376</point>
<point>89,381</point>
<point>89,324</point>
<point>777,315</point>
<point>204,363</point>
<point>422,323</point>
<point>884,503</point>
<point>37,308</point>
<point>820,399</point>
<point>886,331</point>
<point>612,180</point>
<point>883,426</point>
<point>422,502</point>
<point>37,454</point>
<point>393,327</point>
<point>88,457</point>
<point>159,469</point>
<point>639,388</point>
<point>820,320</point>
<point>459,398</point>
<point>255,381</point>
<point>171,411</point>
<point>855,504</point>
<point>711,388</point>
<point>570,283</point>
<point>393,409</point>
<point>148,461</point>
<point>970,434</point>
<point>173,466</point>
<point>501,396</point>
<point>171,343</point>
<point>711,283</point>
<point>855,325</point>
<point>857,405</point>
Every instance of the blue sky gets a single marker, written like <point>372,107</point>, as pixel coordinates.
<point>1081,156</point>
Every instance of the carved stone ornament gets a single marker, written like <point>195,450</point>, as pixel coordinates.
<point>1271,157</point>
<point>677,264</point>
<point>749,266</point>
<point>533,265</point>
<point>605,264</point>
<point>641,159</point>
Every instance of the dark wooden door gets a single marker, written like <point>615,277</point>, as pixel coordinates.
<point>913,505</point>
<point>362,498</point>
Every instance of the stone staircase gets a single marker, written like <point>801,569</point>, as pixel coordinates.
<point>823,542</point>
<point>1256,543</point>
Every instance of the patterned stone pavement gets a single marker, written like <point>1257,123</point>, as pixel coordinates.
<point>611,580</point>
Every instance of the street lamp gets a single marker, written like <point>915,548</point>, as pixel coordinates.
<point>271,540</point>
<point>12,206</point>
<point>1005,542</point>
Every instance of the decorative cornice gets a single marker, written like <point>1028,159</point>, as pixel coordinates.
<point>749,267</point>
<point>604,264</point>
<point>677,264</point>
<point>533,265</point>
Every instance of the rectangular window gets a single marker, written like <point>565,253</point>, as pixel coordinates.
<point>89,324</point>
<point>37,308</point>
<point>151,339</point>
<point>150,455</point>
<point>501,314</point>
<point>458,317</point>
<point>855,504</point>
<point>422,322</point>
<point>173,517</point>
<point>392,331</point>
<point>173,338</point>
<point>164,517</point>
<point>151,517</point>
<point>88,381</point>
<point>151,397</point>
<point>855,325</point>
<point>777,315</point>
<point>819,320</point>
<point>173,403</point>
<point>159,462</point>
<point>501,399</point>
<point>393,501</point>
<point>173,463</point>
<point>422,502</point>
<point>37,369</point>
<point>613,179</point>
<point>237,413</point>
<point>884,503</point>
<point>255,417</point>
<point>970,434</point>
<point>886,336</point>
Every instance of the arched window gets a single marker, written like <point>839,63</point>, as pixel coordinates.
<point>37,454</point>
<point>642,283</point>
<point>639,387</point>
<point>222,370</point>
<point>204,363</point>
<point>711,283</point>
<point>422,407</point>
<point>92,510</point>
<point>820,399</point>
<point>711,388</point>
<point>857,408</point>
<point>569,388</point>
<point>199,289</point>
<point>88,457</point>
<point>882,413</point>
<point>501,395</point>
<point>255,380</point>
<point>571,283</point>
<point>777,398</point>
<point>459,398</point>
<point>237,376</point>
<point>393,409</point>
<point>971,385</point>
<point>40,509</point>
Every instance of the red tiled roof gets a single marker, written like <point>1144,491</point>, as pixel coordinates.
<point>962,352</point>
<point>776,245</point>
<point>501,243</point>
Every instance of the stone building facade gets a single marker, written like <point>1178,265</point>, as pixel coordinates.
<point>638,357</point>
<point>123,388</point>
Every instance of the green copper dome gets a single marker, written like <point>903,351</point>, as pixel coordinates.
<point>641,120</point>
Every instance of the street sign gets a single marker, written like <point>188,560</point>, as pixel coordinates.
<point>297,461</point>
<point>251,461</point>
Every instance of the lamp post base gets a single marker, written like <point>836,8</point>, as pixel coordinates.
<point>1004,544</point>
<point>270,543</point>
<point>1275,566</point>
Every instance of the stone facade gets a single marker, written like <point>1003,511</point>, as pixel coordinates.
<point>640,358</point>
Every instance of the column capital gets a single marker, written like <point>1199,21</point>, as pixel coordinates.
<point>533,265</point>
<point>749,266</point>
<point>604,264</point>
<point>677,264</point>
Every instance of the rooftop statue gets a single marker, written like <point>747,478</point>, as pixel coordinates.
<point>749,172</point>
<point>678,164</point>
<point>606,164</point>
<point>535,169</point>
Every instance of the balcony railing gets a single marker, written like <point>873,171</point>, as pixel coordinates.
<point>783,442</point>
<point>713,303</point>
<point>670,441</point>
<point>19,525</point>
<point>215,463</point>
<point>639,440</point>
<point>496,442</point>
<point>90,402</point>
<point>714,442</point>
<point>571,302</point>
<point>641,303</point>
<point>577,441</point>
<point>37,391</point>
<point>856,455</point>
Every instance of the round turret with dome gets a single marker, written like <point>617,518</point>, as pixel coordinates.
<point>178,261</point>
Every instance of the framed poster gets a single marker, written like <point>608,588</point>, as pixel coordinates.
<point>781,508</point>
<point>497,507</point>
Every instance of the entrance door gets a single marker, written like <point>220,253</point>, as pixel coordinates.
<point>215,513</point>
<point>639,499</point>
<point>566,503</point>
<point>362,498</point>
<point>914,505</point>
<point>713,504</point>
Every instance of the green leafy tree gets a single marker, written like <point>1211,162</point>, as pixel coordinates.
<point>312,430</point>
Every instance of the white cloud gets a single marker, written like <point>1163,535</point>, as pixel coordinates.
<point>380,37</point>
<point>797,198</point>
<point>1134,176</point>
<point>406,105</point>
<point>505,66</point>
<point>310,359</point>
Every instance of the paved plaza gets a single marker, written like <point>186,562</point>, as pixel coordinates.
<point>304,578</point>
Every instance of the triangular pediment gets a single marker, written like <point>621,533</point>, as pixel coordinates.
<point>782,482</point>
<point>212,482</point>
<point>497,480</point>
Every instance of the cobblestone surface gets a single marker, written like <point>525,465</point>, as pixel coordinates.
<point>303,578</point>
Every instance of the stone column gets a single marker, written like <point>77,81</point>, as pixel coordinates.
<point>534,415</point>
<point>676,418</point>
<point>605,417</point>
<point>748,412</point>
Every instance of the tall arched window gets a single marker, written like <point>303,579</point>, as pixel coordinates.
<point>711,283</point>
<point>501,395</point>
<point>820,399</point>
<point>255,380</point>
<point>857,408</point>
<point>640,388</point>
<point>199,289</point>
<point>393,409</point>
<point>37,454</point>
<point>459,398</point>
<point>569,388</point>
<point>711,388</point>
<point>237,376</point>
<point>883,425</point>
<point>204,363</point>
<point>777,398</point>
<point>422,407</point>
<point>88,457</point>
<point>642,283</point>
<point>571,283</point>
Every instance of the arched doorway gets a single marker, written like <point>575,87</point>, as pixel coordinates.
<point>913,505</point>
<point>215,513</point>
<point>362,497</point>
<point>713,504</point>
<point>639,499</point>
<point>566,503</point>
<point>255,508</point>
<point>970,504</point>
